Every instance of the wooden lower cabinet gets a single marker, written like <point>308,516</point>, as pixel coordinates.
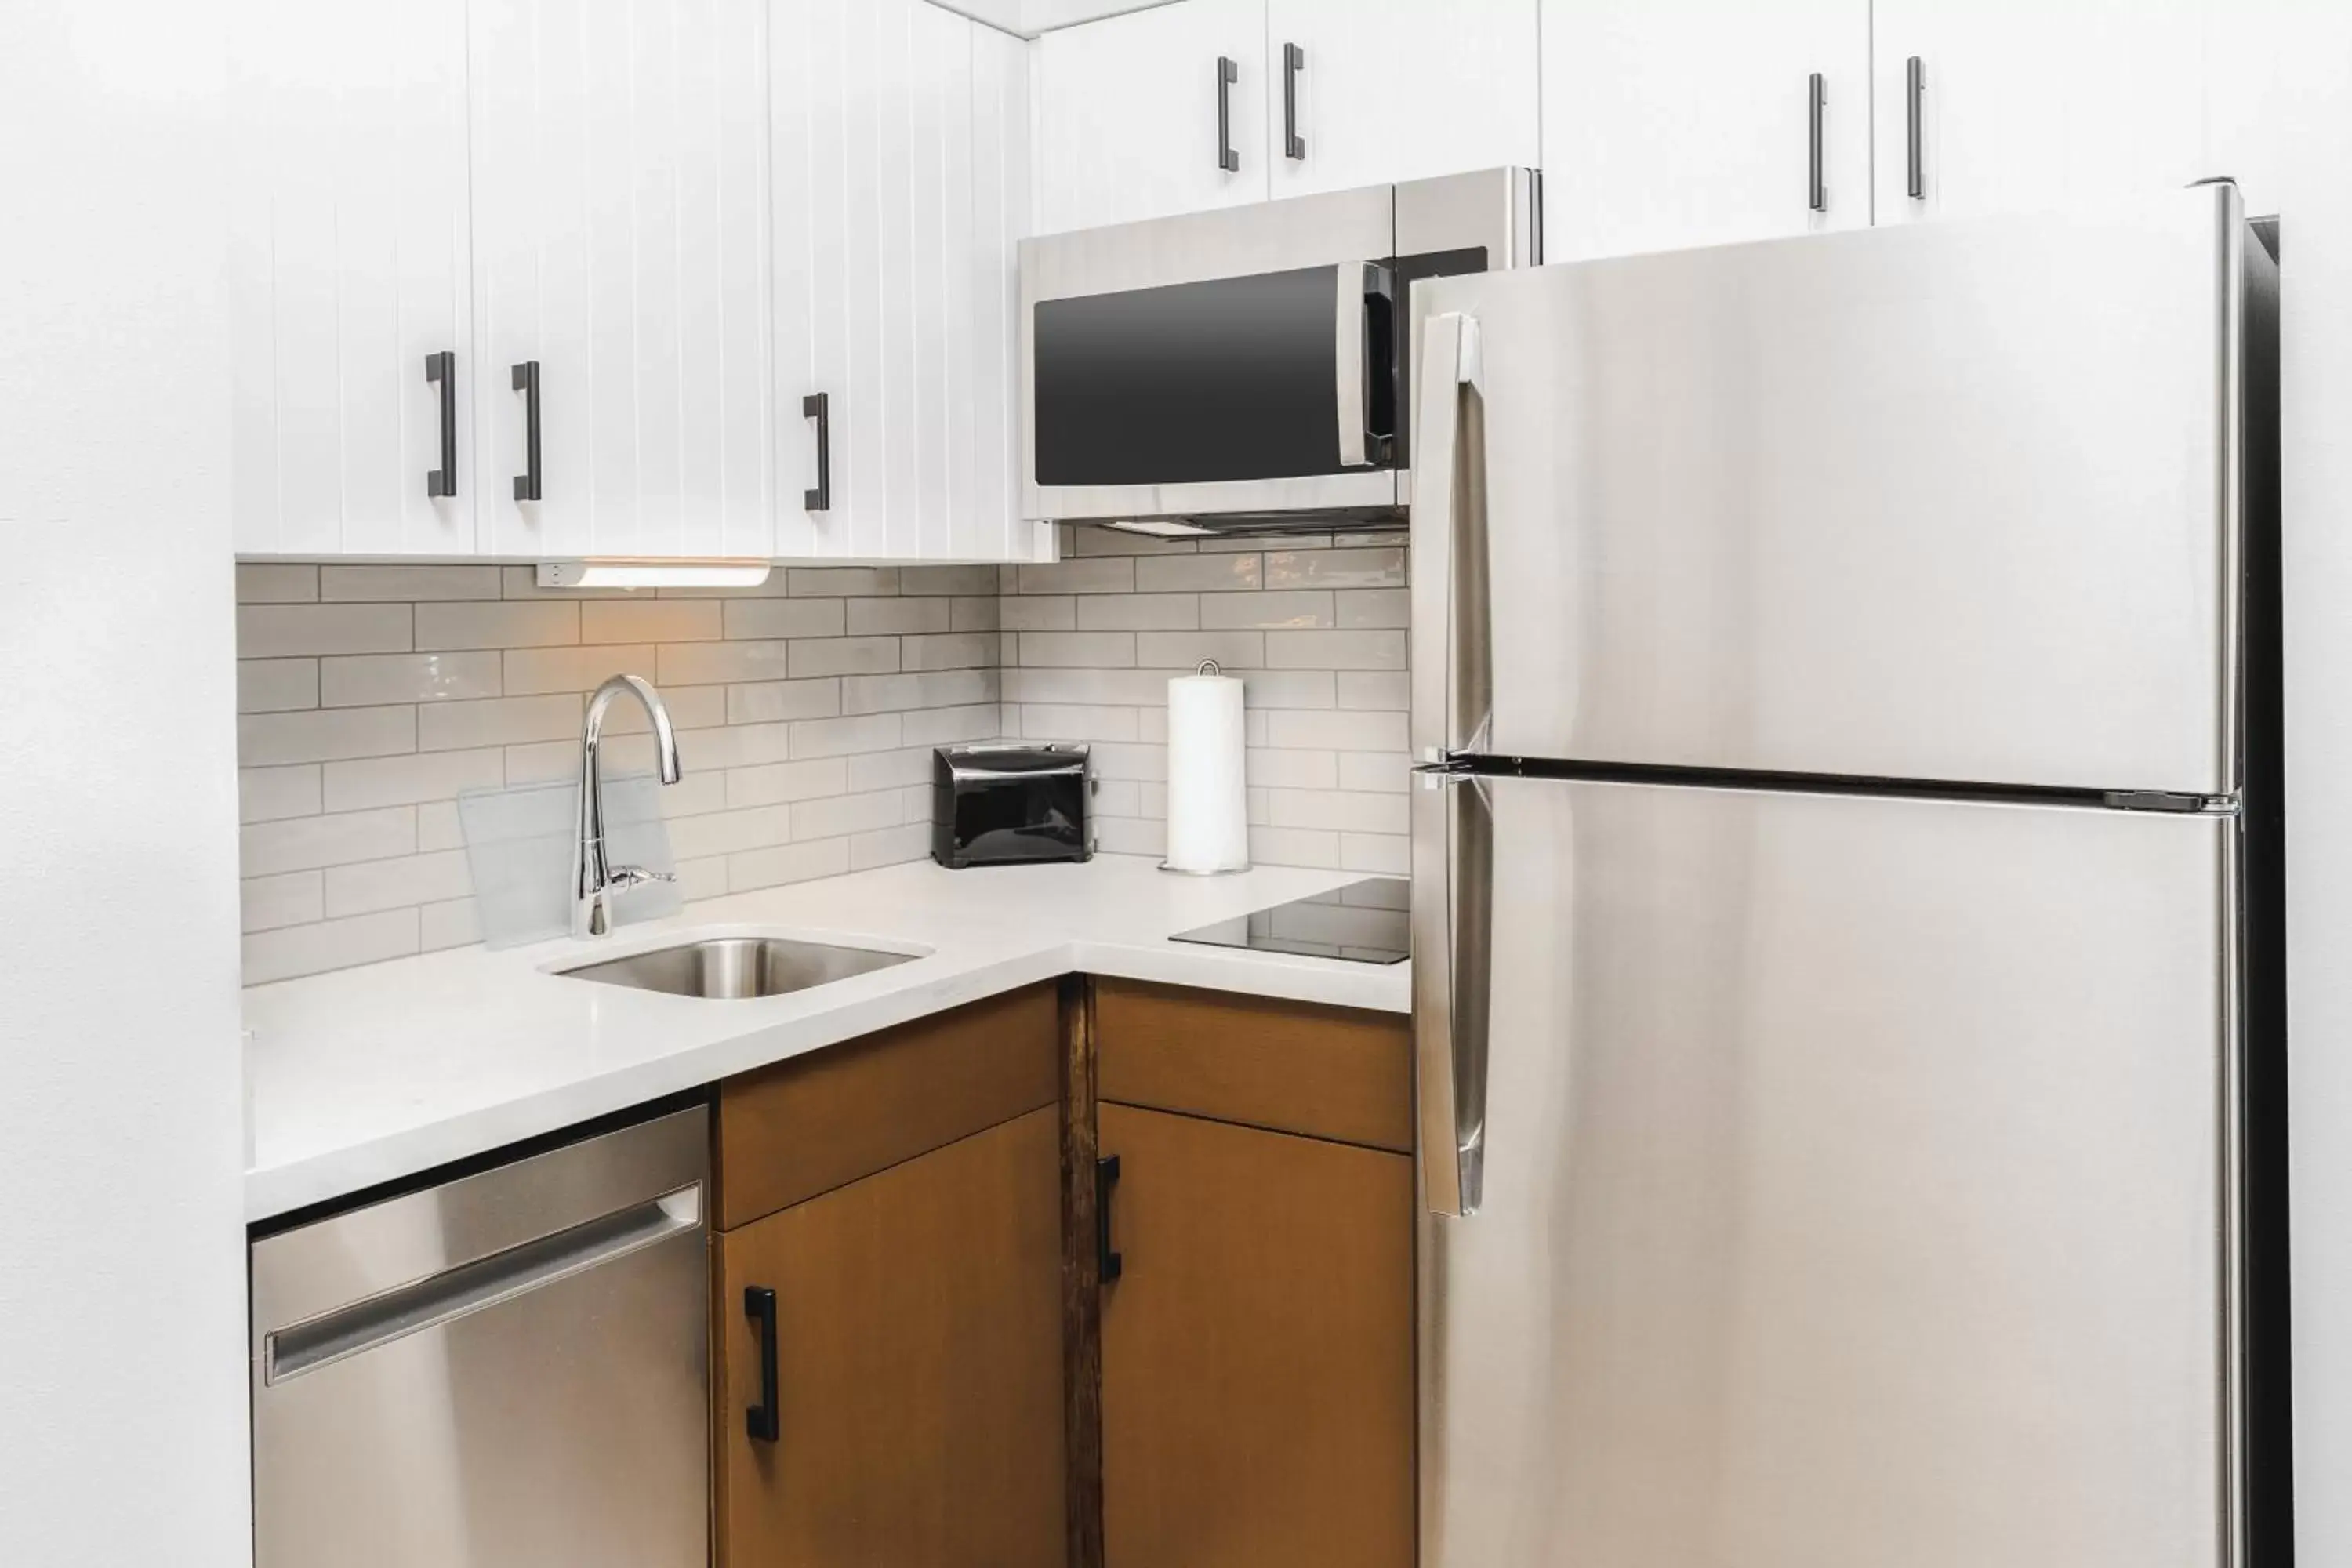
<point>918,1366</point>
<point>1257,1382</point>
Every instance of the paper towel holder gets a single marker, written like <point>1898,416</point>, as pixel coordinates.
<point>1206,667</point>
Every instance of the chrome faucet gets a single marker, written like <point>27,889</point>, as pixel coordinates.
<point>594,879</point>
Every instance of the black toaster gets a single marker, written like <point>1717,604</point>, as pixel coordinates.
<point>1009,805</point>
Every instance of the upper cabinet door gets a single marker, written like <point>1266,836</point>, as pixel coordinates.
<point>899,161</point>
<point>1664,130</point>
<point>1360,94</point>
<point>2023,105</point>
<point>1130,111</point>
<point>347,270</point>
<point>620,246</point>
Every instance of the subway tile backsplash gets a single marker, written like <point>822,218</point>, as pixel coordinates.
<point>1315,627</point>
<point>371,696</point>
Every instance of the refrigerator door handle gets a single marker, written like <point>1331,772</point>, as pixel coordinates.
<point>1451,692</point>
<point>1453,901</point>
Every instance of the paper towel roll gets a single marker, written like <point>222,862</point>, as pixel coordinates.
<point>1208,815</point>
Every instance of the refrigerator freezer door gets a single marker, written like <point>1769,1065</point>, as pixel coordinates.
<point>1852,1188</point>
<point>1950,501</point>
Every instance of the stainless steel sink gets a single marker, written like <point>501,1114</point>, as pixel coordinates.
<point>735,968</point>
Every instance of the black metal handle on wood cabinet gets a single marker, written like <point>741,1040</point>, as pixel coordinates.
<point>526,381</point>
<point>441,369</point>
<point>1817,191</point>
<point>761,1420</point>
<point>818,406</point>
<point>1915,92</point>
<point>1294,60</point>
<point>1228,73</point>
<point>1108,1263</point>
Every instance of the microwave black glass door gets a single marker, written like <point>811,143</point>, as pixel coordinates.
<point>1234,378</point>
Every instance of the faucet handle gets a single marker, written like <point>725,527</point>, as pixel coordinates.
<point>622,876</point>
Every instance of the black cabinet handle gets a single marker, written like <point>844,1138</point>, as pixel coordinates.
<point>1228,73</point>
<point>818,406</point>
<point>1817,192</point>
<point>526,381</point>
<point>1294,60</point>
<point>441,369</point>
<point>762,1419</point>
<point>1914,89</point>
<point>1108,1263</point>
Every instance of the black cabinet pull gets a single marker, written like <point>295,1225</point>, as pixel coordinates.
<point>1108,1263</point>
<point>441,369</point>
<point>1914,89</point>
<point>1817,191</point>
<point>1228,73</point>
<point>1294,60</point>
<point>761,1420</point>
<point>526,381</point>
<point>817,405</point>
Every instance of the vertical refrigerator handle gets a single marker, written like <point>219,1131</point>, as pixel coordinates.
<point>1450,689</point>
<point>1452,837</point>
<point>1452,899</point>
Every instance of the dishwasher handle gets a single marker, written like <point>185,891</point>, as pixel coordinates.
<point>473,1287</point>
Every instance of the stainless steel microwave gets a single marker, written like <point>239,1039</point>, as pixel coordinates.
<point>1246,368</point>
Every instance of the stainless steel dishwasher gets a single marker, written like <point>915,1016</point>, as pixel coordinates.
<point>510,1369</point>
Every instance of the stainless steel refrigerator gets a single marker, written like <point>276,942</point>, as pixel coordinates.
<point>1843,897</point>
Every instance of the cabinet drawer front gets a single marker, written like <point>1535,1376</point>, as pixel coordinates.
<point>1327,1073</point>
<point>808,1125</point>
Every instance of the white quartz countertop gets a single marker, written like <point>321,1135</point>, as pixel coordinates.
<point>374,1074</point>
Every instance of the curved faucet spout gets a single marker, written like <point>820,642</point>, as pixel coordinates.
<point>594,879</point>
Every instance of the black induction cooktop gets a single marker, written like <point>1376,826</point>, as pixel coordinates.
<point>1363,923</point>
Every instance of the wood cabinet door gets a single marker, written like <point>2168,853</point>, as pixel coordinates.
<point>898,311</point>
<point>918,1366</point>
<point>347,267</point>
<point>1665,126</point>
<point>620,202</point>
<point>2030,105</point>
<point>1257,1393</point>
<point>1398,89</point>
<point>1127,114</point>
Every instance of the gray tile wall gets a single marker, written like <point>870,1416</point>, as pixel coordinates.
<point>1315,627</point>
<point>370,697</point>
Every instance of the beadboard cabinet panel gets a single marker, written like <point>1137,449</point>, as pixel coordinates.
<point>347,267</point>
<point>1399,89</point>
<point>1664,128</point>
<point>899,132</point>
<point>620,206</point>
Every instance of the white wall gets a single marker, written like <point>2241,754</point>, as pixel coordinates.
<point>2314,119</point>
<point>123,1429</point>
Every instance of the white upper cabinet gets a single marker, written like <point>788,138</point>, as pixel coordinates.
<point>1137,118</point>
<point>620,166</point>
<point>1668,125</point>
<point>347,270</point>
<point>1359,92</point>
<point>899,152</point>
<point>2034,104</point>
